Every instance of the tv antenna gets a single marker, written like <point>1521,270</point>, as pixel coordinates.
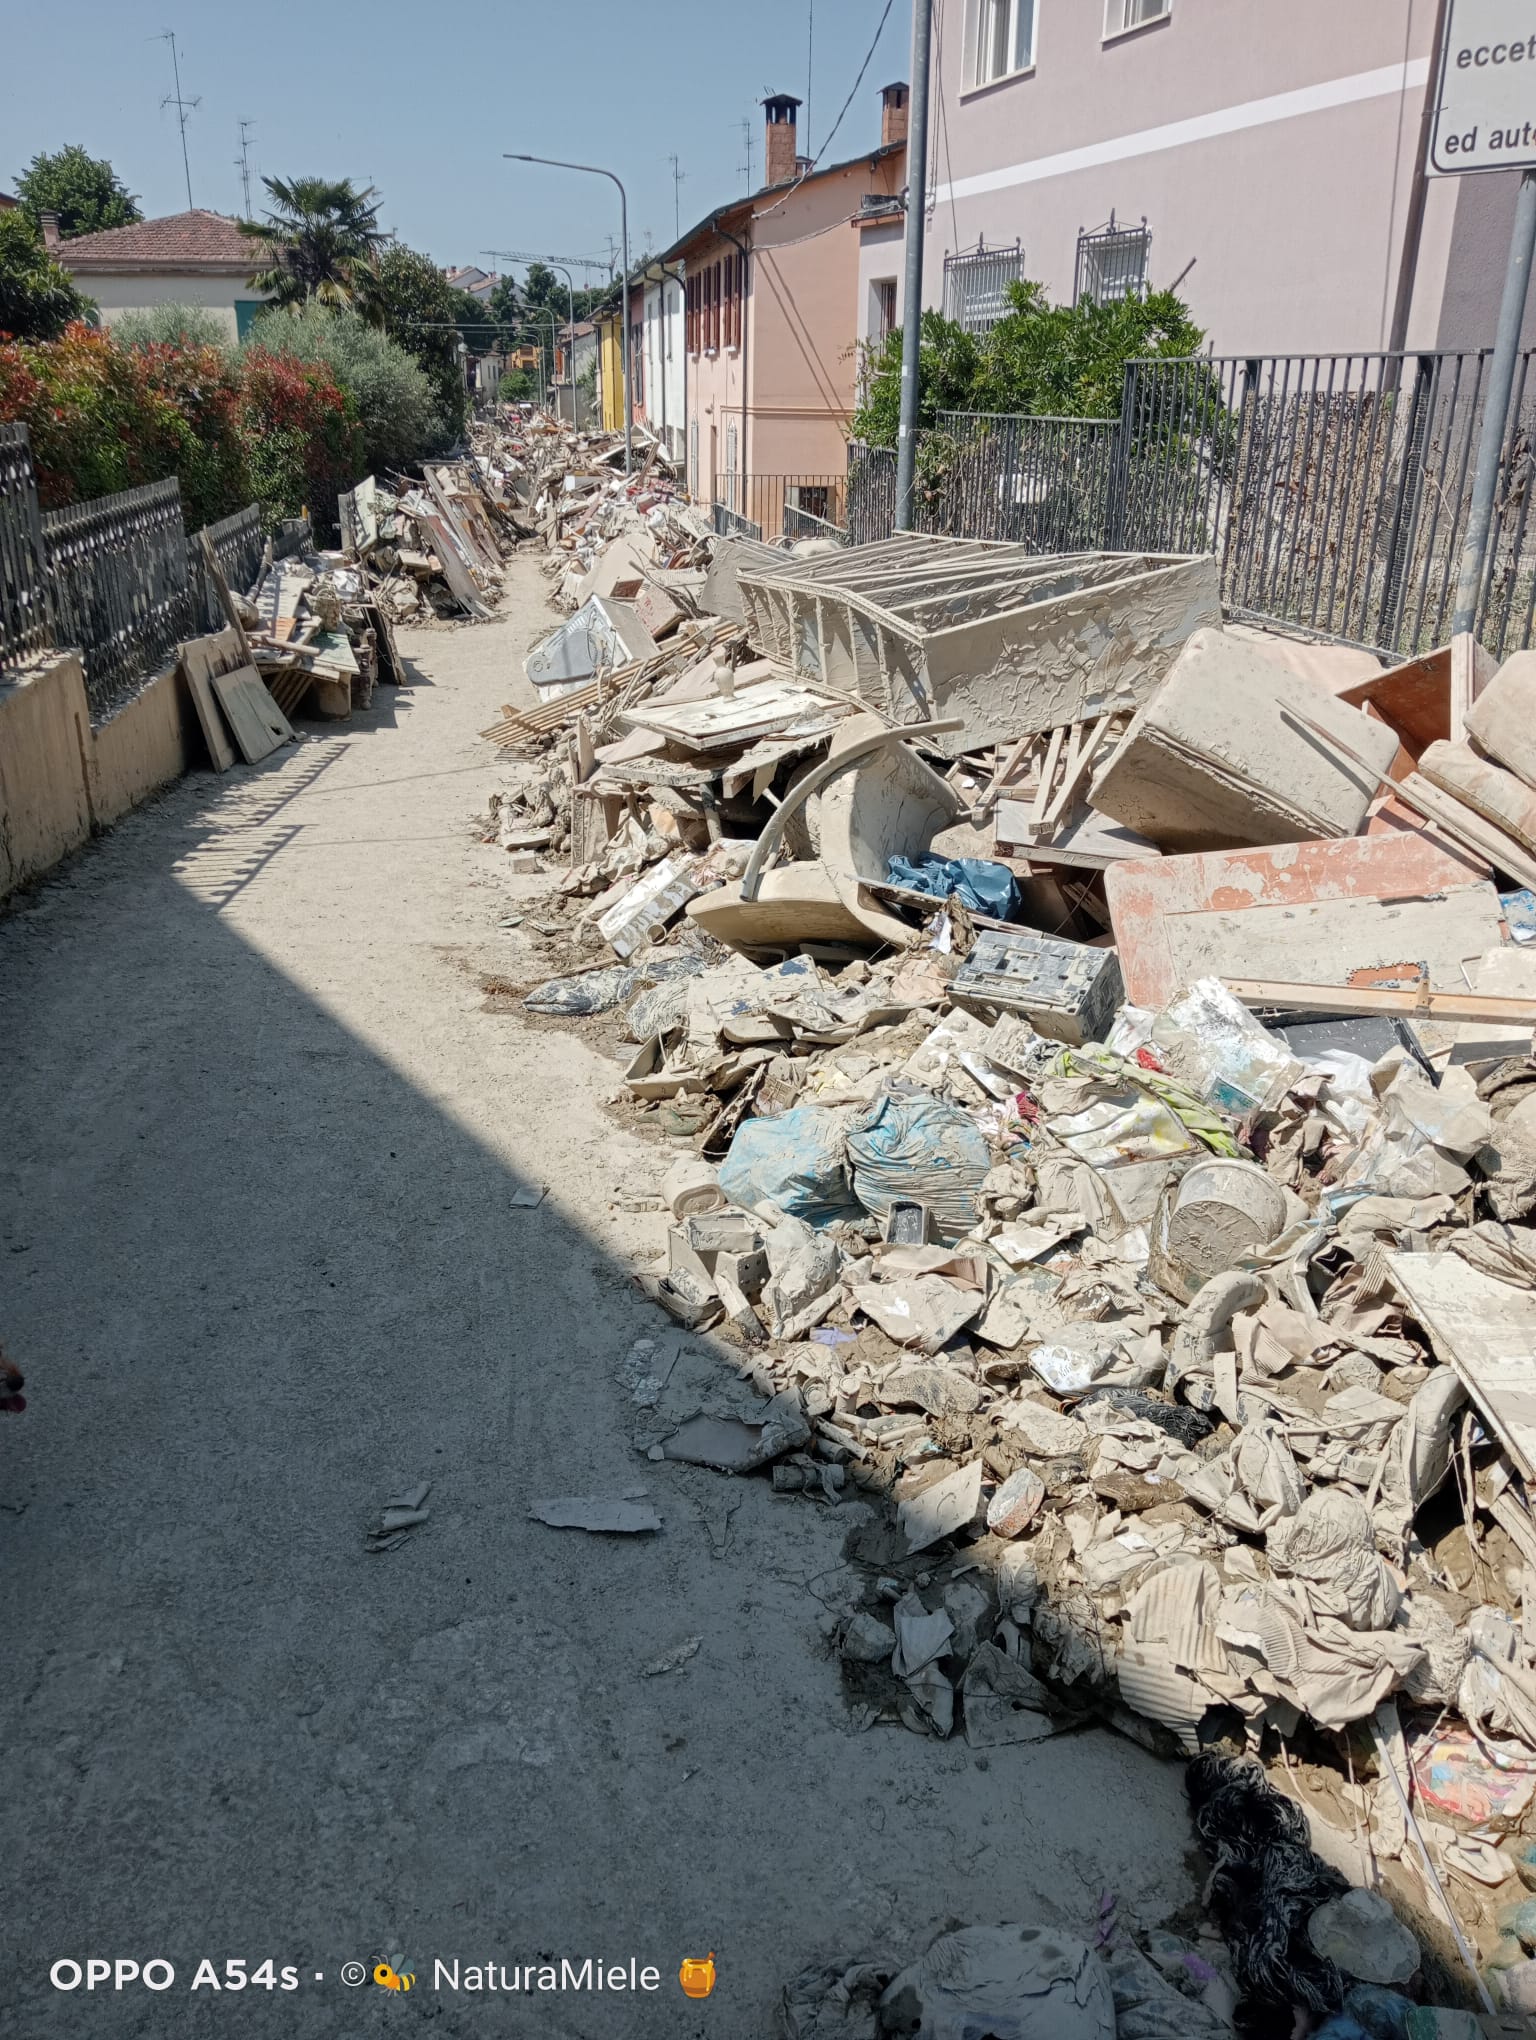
<point>244,164</point>
<point>183,106</point>
<point>678,179</point>
<point>746,136</point>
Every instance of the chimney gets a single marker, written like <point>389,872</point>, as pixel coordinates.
<point>50,230</point>
<point>779,159</point>
<point>893,115</point>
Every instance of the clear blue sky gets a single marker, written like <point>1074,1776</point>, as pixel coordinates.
<point>421,100</point>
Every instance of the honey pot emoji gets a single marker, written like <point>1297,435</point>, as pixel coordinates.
<point>696,1977</point>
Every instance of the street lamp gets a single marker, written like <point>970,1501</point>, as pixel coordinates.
<point>593,170</point>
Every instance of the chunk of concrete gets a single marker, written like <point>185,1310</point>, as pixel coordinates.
<point>1228,752</point>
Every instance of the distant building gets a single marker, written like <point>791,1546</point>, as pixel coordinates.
<point>189,258</point>
<point>776,291</point>
<point>477,282</point>
<point>7,203</point>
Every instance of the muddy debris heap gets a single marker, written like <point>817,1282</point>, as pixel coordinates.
<point>1096,1044</point>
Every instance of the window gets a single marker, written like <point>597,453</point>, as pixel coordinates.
<point>882,307</point>
<point>1120,15</point>
<point>1000,38</point>
<point>1112,263</point>
<point>976,285</point>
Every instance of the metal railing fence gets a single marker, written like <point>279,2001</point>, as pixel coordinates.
<point>781,506</point>
<point>1333,489</point>
<point>25,624</point>
<point>120,591</point>
<point>238,543</point>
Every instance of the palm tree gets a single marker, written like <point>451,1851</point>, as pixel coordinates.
<point>320,236</point>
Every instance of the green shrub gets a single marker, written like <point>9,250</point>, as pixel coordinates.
<point>393,398</point>
<point>173,326</point>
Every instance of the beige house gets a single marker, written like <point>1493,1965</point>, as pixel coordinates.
<point>190,258</point>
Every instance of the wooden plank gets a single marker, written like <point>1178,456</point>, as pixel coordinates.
<point>1486,1330</point>
<point>1413,700</point>
<point>200,659</point>
<point>1327,909</point>
<point>258,723</point>
<point>1471,669</point>
<point>289,688</point>
<point>1423,1004</point>
<point>1047,774</point>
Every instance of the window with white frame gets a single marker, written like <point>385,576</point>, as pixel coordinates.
<point>999,39</point>
<point>1120,15</point>
<point>976,285</point>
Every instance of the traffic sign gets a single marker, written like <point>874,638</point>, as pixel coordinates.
<point>1485,110</point>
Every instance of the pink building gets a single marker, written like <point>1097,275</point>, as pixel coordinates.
<point>1266,159</point>
<point>771,314</point>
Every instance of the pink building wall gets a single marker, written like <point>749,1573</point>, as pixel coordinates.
<point>780,403</point>
<point>1272,146</point>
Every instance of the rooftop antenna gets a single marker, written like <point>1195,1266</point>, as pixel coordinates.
<point>244,165</point>
<point>810,64</point>
<point>183,106</point>
<point>746,136</point>
<point>678,177</point>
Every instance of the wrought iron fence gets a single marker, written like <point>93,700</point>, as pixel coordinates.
<point>238,543</point>
<point>784,506</point>
<point>24,618</point>
<point>871,493</point>
<point>1041,482</point>
<point>1334,489</point>
<point>118,568</point>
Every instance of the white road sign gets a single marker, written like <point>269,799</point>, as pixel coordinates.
<point>1485,116</point>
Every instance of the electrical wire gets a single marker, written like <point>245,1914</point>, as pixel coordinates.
<point>826,145</point>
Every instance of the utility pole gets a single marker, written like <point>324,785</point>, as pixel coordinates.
<point>183,107</point>
<point>244,164</point>
<point>678,177</point>
<point>1501,376</point>
<point>912,304</point>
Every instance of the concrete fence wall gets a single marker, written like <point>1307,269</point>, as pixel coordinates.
<point>61,779</point>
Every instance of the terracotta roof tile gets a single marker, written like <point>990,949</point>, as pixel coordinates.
<point>177,241</point>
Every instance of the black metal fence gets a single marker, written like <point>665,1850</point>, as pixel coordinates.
<point>775,506</point>
<point>120,589</point>
<point>1333,489</point>
<point>25,625</point>
<point>238,542</point>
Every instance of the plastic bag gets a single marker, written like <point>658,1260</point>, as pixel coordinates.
<point>923,1149</point>
<point>592,991</point>
<point>797,1162</point>
<point>983,887</point>
<point>1214,1044</point>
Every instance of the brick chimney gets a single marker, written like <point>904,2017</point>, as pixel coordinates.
<point>50,230</point>
<point>779,155</point>
<point>893,115</point>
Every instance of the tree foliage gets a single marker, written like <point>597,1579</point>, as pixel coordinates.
<point>395,401</point>
<point>411,300</point>
<point>38,299</point>
<point>319,237</point>
<point>1064,361</point>
<point>85,191</point>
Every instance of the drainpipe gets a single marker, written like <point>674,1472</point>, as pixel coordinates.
<point>746,282</point>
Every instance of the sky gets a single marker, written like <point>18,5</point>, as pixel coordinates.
<point>421,101</point>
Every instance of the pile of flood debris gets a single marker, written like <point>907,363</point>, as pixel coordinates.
<point>1100,1042</point>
